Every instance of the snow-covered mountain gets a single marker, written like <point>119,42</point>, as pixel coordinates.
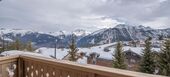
<point>15,31</point>
<point>38,38</point>
<point>45,39</point>
<point>57,33</point>
<point>122,32</point>
<point>80,32</point>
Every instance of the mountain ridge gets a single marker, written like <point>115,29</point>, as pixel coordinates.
<point>121,32</point>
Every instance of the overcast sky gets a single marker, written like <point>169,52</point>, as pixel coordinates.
<point>91,15</point>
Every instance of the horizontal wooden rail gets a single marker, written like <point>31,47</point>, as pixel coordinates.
<point>34,66</point>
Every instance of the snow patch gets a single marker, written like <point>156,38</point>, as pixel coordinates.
<point>17,52</point>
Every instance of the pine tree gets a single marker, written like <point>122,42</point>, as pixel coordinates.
<point>164,58</point>
<point>119,60</point>
<point>73,50</point>
<point>147,64</point>
<point>161,37</point>
<point>24,46</point>
<point>1,50</point>
<point>11,46</point>
<point>29,46</point>
<point>17,44</point>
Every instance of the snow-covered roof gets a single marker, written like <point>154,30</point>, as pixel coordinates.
<point>17,52</point>
<point>109,55</point>
<point>97,49</point>
<point>60,54</point>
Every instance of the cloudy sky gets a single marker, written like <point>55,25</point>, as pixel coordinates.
<point>91,15</point>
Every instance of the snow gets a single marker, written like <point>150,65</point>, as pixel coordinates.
<point>109,55</point>
<point>17,52</point>
<point>8,39</point>
<point>120,26</point>
<point>139,50</point>
<point>99,31</point>
<point>45,52</point>
<point>80,32</point>
<point>82,60</point>
<point>97,49</point>
<point>60,54</point>
<point>14,31</point>
<point>92,41</point>
<point>24,32</point>
<point>57,33</point>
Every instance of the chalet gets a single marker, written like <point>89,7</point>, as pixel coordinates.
<point>92,58</point>
<point>156,44</point>
<point>142,43</point>
<point>101,62</point>
<point>136,43</point>
<point>79,55</point>
<point>132,60</point>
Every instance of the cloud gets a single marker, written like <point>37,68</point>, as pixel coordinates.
<point>55,15</point>
<point>136,11</point>
<point>159,22</point>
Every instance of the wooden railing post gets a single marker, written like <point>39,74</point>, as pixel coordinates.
<point>20,67</point>
<point>91,75</point>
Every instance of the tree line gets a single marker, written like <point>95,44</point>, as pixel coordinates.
<point>16,45</point>
<point>152,63</point>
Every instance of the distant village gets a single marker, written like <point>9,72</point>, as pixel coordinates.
<point>132,58</point>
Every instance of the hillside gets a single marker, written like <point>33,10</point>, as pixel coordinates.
<point>122,32</point>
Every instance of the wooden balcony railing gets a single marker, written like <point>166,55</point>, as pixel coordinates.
<point>34,66</point>
<point>7,63</point>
